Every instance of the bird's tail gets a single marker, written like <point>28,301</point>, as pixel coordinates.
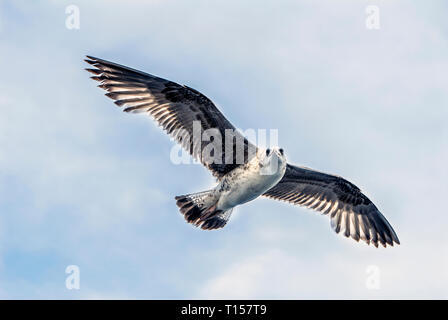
<point>200,210</point>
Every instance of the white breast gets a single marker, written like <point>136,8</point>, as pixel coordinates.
<point>247,183</point>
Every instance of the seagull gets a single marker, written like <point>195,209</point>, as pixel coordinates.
<point>241,176</point>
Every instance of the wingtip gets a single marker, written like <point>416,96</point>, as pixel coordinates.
<point>91,62</point>
<point>91,57</point>
<point>395,238</point>
<point>93,71</point>
<point>384,244</point>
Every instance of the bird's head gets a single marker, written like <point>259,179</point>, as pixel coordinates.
<point>273,160</point>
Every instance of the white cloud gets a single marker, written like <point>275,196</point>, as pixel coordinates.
<point>279,274</point>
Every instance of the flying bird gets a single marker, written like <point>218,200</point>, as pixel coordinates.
<point>258,172</point>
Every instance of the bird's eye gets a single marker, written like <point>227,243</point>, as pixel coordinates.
<point>268,151</point>
<point>281,151</point>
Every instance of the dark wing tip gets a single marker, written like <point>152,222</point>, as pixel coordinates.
<point>91,58</point>
<point>93,71</point>
<point>90,61</point>
<point>366,224</point>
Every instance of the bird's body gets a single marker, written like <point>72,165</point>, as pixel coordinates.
<point>243,184</point>
<point>243,171</point>
<point>248,182</point>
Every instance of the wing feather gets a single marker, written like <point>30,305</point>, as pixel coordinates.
<point>349,209</point>
<point>175,108</point>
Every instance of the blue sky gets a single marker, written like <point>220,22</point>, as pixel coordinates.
<point>84,184</point>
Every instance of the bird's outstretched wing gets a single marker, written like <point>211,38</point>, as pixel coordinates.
<point>349,209</point>
<point>175,108</point>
